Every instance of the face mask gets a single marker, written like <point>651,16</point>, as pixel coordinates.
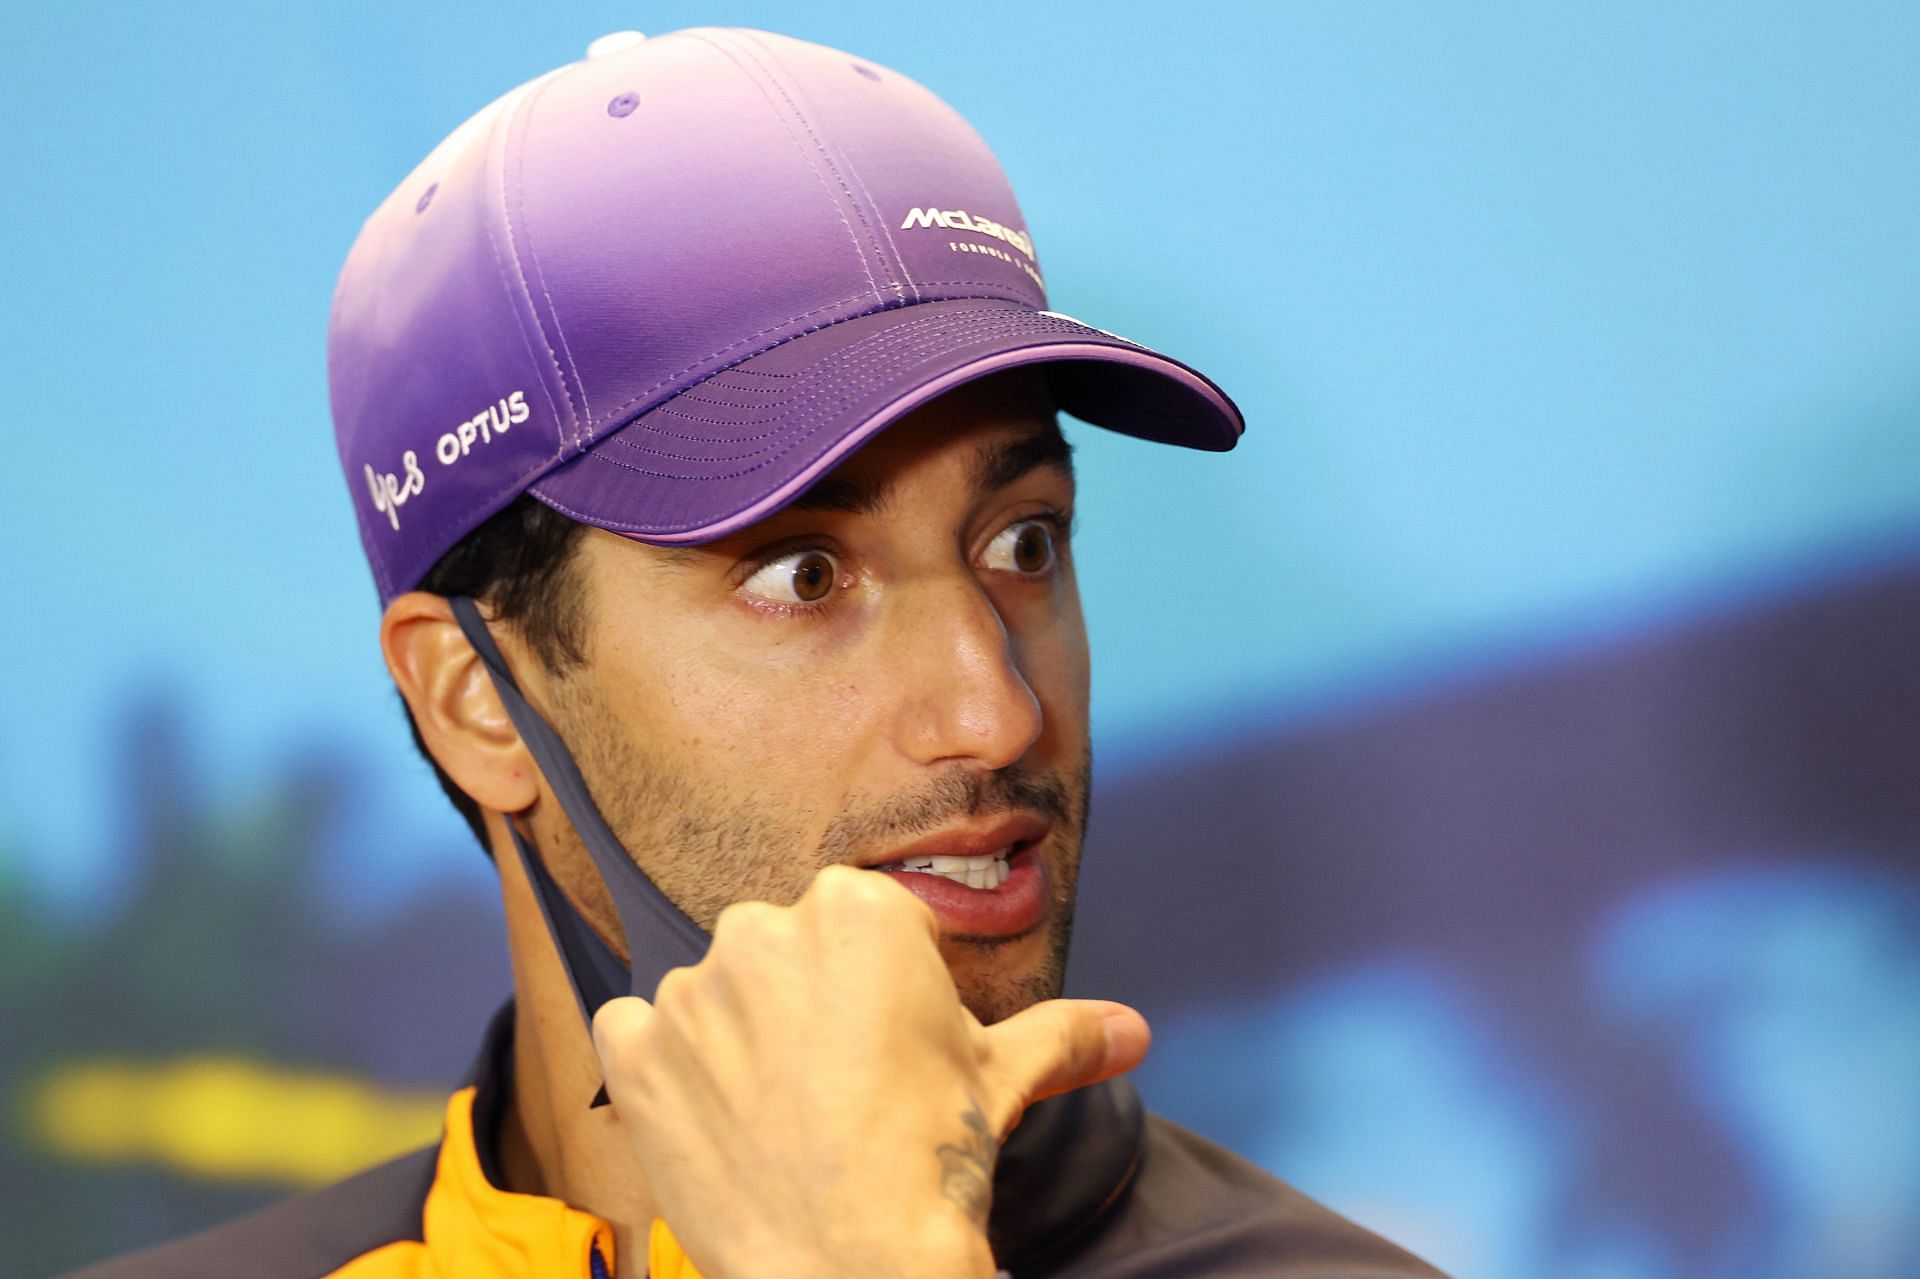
<point>659,935</point>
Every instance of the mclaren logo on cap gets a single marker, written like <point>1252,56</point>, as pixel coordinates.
<point>961,220</point>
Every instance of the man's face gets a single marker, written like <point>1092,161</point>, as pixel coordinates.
<point>898,655</point>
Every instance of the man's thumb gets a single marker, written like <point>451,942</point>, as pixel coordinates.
<point>1064,1044</point>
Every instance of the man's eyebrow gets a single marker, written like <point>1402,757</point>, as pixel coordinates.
<point>675,557</point>
<point>1001,464</point>
<point>838,493</point>
<point>994,467</point>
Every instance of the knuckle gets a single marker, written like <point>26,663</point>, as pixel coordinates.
<point>1076,1044</point>
<point>748,930</point>
<point>672,989</point>
<point>841,890</point>
<point>747,917</point>
<point>834,883</point>
<point>868,889</point>
<point>1088,1039</point>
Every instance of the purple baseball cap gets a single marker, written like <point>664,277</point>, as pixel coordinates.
<point>666,288</point>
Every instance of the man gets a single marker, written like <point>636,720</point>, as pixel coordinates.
<point>698,401</point>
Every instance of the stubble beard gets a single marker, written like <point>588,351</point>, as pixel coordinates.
<point>706,849</point>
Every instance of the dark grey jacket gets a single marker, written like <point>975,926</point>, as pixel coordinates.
<point>1088,1185</point>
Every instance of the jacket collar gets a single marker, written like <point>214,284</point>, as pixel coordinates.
<point>474,1228</point>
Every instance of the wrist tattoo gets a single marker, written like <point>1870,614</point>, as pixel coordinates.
<point>966,1169</point>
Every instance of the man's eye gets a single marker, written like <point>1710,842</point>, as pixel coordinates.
<point>1025,546</point>
<point>802,577</point>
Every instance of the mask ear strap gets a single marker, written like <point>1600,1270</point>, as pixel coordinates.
<point>659,935</point>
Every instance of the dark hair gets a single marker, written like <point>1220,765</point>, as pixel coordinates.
<point>520,566</point>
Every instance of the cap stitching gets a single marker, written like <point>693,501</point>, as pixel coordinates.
<point>638,396</point>
<point>584,518</point>
<point>827,157</point>
<point>905,325</point>
<point>843,383</point>
<point>523,478</point>
<point>914,325</point>
<point>766,55</point>
<point>854,349</point>
<point>546,392</point>
<point>838,395</point>
<point>519,272</point>
<point>772,456</point>
<point>899,258</point>
<point>790,407</point>
<point>584,422</point>
<point>675,376</point>
<point>690,457</point>
<point>697,391</point>
<point>979,284</point>
<point>729,475</point>
<point>948,318</point>
<point>619,437</point>
<point>632,526</point>
<point>886,229</point>
<point>839,212</point>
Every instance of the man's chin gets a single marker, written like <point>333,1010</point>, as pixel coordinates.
<point>998,976</point>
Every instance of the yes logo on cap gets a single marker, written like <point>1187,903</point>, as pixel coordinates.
<point>390,491</point>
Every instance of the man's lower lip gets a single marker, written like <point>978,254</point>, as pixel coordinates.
<point>1014,907</point>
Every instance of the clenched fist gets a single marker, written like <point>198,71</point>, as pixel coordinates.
<point>812,1098</point>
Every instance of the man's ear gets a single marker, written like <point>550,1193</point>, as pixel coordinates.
<point>454,704</point>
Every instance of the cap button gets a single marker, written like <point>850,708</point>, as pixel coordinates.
<point>614,42</point>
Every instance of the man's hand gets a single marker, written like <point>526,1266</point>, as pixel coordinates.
<point>812,1098</point>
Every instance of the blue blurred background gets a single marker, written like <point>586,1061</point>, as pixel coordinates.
<point>1508,760</point>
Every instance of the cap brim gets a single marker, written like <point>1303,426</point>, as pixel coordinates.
<point>744,442</point>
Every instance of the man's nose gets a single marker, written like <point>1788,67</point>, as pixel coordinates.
<point>965,697</point>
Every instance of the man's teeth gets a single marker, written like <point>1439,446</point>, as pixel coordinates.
<point>989,871</point>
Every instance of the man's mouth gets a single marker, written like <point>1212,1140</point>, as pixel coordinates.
<point>977,858</point>
<point>988,883</point>
<point>989,871</point>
